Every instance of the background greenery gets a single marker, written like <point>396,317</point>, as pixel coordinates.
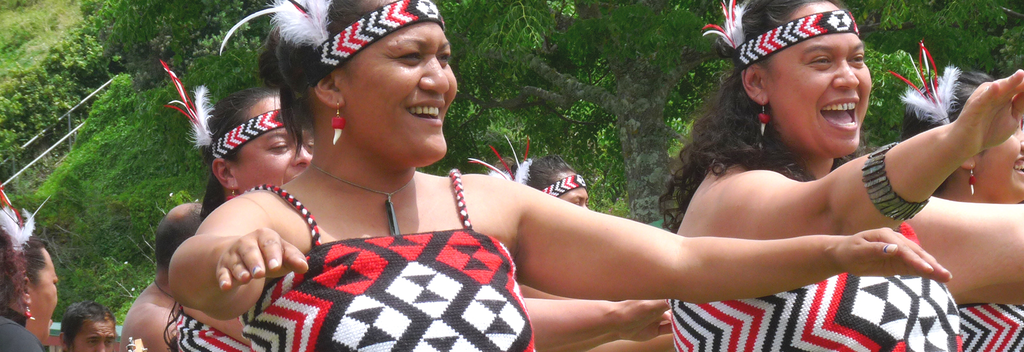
<point>589,79</point>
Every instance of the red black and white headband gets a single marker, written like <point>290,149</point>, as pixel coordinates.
<point>246,132</point>
<point>199,113</point>
<point>933,100</point>
<point>750,51</point>
<point>304,23</point>
<point>18,226</point>
<point>565,185</point>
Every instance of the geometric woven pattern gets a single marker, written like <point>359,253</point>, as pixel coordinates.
<point>245,132</point>
<point>842,313</point>
<point>194,336</point>
<point>992,327</point>
<point>793,32</point>
<point>368,29</point>
<point>564,185</point>
<point>440,291</point>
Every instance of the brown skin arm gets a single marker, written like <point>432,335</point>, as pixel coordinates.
<point>614,258</point>
<point>982,244</point>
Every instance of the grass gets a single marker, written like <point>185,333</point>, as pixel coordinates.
<point>30,27</point>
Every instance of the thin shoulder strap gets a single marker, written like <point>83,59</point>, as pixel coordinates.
<point>460,199</point>
<point>314,230</point>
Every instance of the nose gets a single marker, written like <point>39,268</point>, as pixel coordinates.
<point>846,76</point>
<point>303,157</point>
<point>435,77</point>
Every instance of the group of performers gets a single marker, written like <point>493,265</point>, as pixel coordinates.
<point>784,236</point>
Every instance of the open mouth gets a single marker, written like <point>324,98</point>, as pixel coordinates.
<point>1019,165</point>
<point>425,112</point>
<point>840,114</point>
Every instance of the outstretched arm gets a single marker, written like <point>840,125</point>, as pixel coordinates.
<point>982,244</point>
<point>767,205</point>
<point>579,325</point>
<point>613,258</point>
<point>211,271</point>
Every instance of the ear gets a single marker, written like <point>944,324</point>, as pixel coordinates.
<point>62,342</point>
<point>971,162</point>
<point>224,172</point>
<point>755,83</point>
<point>328,90</point>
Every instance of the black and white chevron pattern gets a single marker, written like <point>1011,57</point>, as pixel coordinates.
<point>367,30</point>
<point>245,132</point>
<point>992,327</point>
<point>194,336</point>
<point>564,185</point>
<point>793,32</point>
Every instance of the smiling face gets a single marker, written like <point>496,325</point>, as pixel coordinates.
<point>998,172</point>
<point>817,92</point>
<point>270,158</point>
<point>396,93</point>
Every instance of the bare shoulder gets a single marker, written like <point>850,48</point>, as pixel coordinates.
<point>257,210</point>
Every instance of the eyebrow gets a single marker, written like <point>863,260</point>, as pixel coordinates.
<point>419,43</point>
<point>823,47</point>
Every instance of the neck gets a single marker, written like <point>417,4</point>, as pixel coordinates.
<point>162,283</point>
<point>819,167</point>
<point>354,168</point>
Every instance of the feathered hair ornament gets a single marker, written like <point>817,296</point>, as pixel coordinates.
<point>198,113</point>
<point>18,226</point>
<point>934,99</point>
<point>304,24</point>
<point>733,31</point>
<point>522,173</point>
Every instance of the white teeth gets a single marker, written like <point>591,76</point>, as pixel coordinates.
<point>841,107</point>
<point>424,110</point>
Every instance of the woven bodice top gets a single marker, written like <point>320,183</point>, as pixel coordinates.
<point>842,313</point>
<point>439,291</point>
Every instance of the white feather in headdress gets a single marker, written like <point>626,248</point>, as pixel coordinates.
<point>198,113</point>
<point>934,99</point>
<point>302,22</point>
<point>523,172</point>
<point>494,171</point>
<point>733,31</point>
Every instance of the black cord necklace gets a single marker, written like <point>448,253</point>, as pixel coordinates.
<point>388,207</point>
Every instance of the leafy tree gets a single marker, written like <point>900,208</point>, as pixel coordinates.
<point>642,68</point>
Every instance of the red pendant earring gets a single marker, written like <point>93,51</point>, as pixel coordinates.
<point>764,118</point>
<point>971,181</point>
<point>338,123</point>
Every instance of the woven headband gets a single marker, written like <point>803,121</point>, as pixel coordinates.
<point>565,185</point>
<point>756,49</point>
<point>371,27</point>
<point>246,132</point>
<point>793,32</point>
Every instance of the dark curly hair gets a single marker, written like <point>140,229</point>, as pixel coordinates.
<point>914,124</point>
<point>12,279</point>
<point>728,134</point>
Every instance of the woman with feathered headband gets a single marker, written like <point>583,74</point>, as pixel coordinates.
<point>244,144</point>
<point>397,260</point>
<point>993,176</point>
<point>20,276</point>
<point>766,162</point>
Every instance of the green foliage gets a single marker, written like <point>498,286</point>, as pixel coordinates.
<point>30,27</point>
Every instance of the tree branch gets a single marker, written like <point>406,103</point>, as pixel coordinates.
<point>571,88</point>
<point>1012,13</point>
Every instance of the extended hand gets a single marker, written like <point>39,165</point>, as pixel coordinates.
<point>261,253</point>
<point>994,111</point>
<point>884,252</point>
<point>643,320</point>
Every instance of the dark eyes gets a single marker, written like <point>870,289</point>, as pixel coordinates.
<point>415,58</point>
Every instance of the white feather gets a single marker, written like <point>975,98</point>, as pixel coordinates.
<point>303,28</point>
<point>200,128</point>
<point>735,25</point>
<point>929,110</point>
<point>30,225</point>
<point>9,222</point>
<point>523,173</point>
<point>948,83</point>
<point>246,20</point>
<point>495,172</point>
